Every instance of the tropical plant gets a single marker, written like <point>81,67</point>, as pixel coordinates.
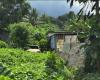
<point>40,31</point>
<point>33,17</point>
<point>91,76</point>
<point>6,74</point>
<point>20,35</point>
<point>3,44</point>
<point>44,45</point>
<point>5,78</point>
<point>30,66</point>
<point>45,18</point>
<point>92,49</point>
<point>12,11</point>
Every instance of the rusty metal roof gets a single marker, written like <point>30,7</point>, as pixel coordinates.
<point>61,33</point>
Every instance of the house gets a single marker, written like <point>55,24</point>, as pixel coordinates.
<point>62,41</point>
<point>68,46</point>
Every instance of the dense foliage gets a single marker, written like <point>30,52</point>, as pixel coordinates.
<point>20,35</point>
<point>72,24</point>
<point>23,34</point>
<point>3,44</point>
<point>22,65</point>
<point>4,78</point>
<point>12,11</point>
<point>91,76</point>
<point>92,61</point>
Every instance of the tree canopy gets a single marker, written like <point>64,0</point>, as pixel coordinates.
<point>92,64</point>
<point>89,6</point>
<point>12,11</point>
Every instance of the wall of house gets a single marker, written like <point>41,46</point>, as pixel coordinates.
<point>68,48</point>
<point>70,41</point>
<point>71,51</point>
<point>76,56</point>
<point>60,42</point>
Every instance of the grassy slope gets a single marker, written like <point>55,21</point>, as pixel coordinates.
<point>29,66</point>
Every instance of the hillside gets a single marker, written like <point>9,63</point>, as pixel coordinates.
<point>22,65</point>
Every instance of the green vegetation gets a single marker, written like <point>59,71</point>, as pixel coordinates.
<point>3,44</point>
<point>12,11</point>
<point>4,78</point>
<point>20,35</point>
<point>92,76</point>
<point>92,53</point>
<point>22,65</point>
<point>23,35</point>
<point>25,27</point>
<point>92,61</point>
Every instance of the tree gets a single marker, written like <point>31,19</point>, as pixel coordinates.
<point>33,17</point>
<point>20,35</point>
<point>92,49</point>
<point>45,18</point>
<point>67,16</point>
<point>64,20</point>
<point>12,11</point>
<point>87,3</point>
<point>73,26</point>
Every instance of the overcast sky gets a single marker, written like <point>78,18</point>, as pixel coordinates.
<point>54,8</point>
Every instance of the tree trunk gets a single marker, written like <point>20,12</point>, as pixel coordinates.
<point>97,13</point>
<point>97,26</point>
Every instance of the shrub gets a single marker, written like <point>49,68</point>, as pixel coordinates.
<point>3,44</point>
<point>92,76</point>
<point>28,66</point>
<point>44,28</point>
<point>20,34</point>
<point>5,78</point>
<point>55,68</point>
<point>80,74</point>
<point>44,45</point>
<point>38,36</point>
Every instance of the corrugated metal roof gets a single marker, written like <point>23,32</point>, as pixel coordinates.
<point>61,33</point>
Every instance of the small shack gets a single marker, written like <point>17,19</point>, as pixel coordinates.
<point>62,41</point>
<point>68,46</point>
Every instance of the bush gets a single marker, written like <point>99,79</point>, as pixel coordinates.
<point>92,76</point>
<point>80,74</point>
<point>41,30</point>
<point>20,34</point>
<point>44,28</point>
<point>56,70</point>
<point>4,78</point>
<point>28,66</point>
<point>44,45</point>
<point>82,37</point>
<point>3,44</point>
